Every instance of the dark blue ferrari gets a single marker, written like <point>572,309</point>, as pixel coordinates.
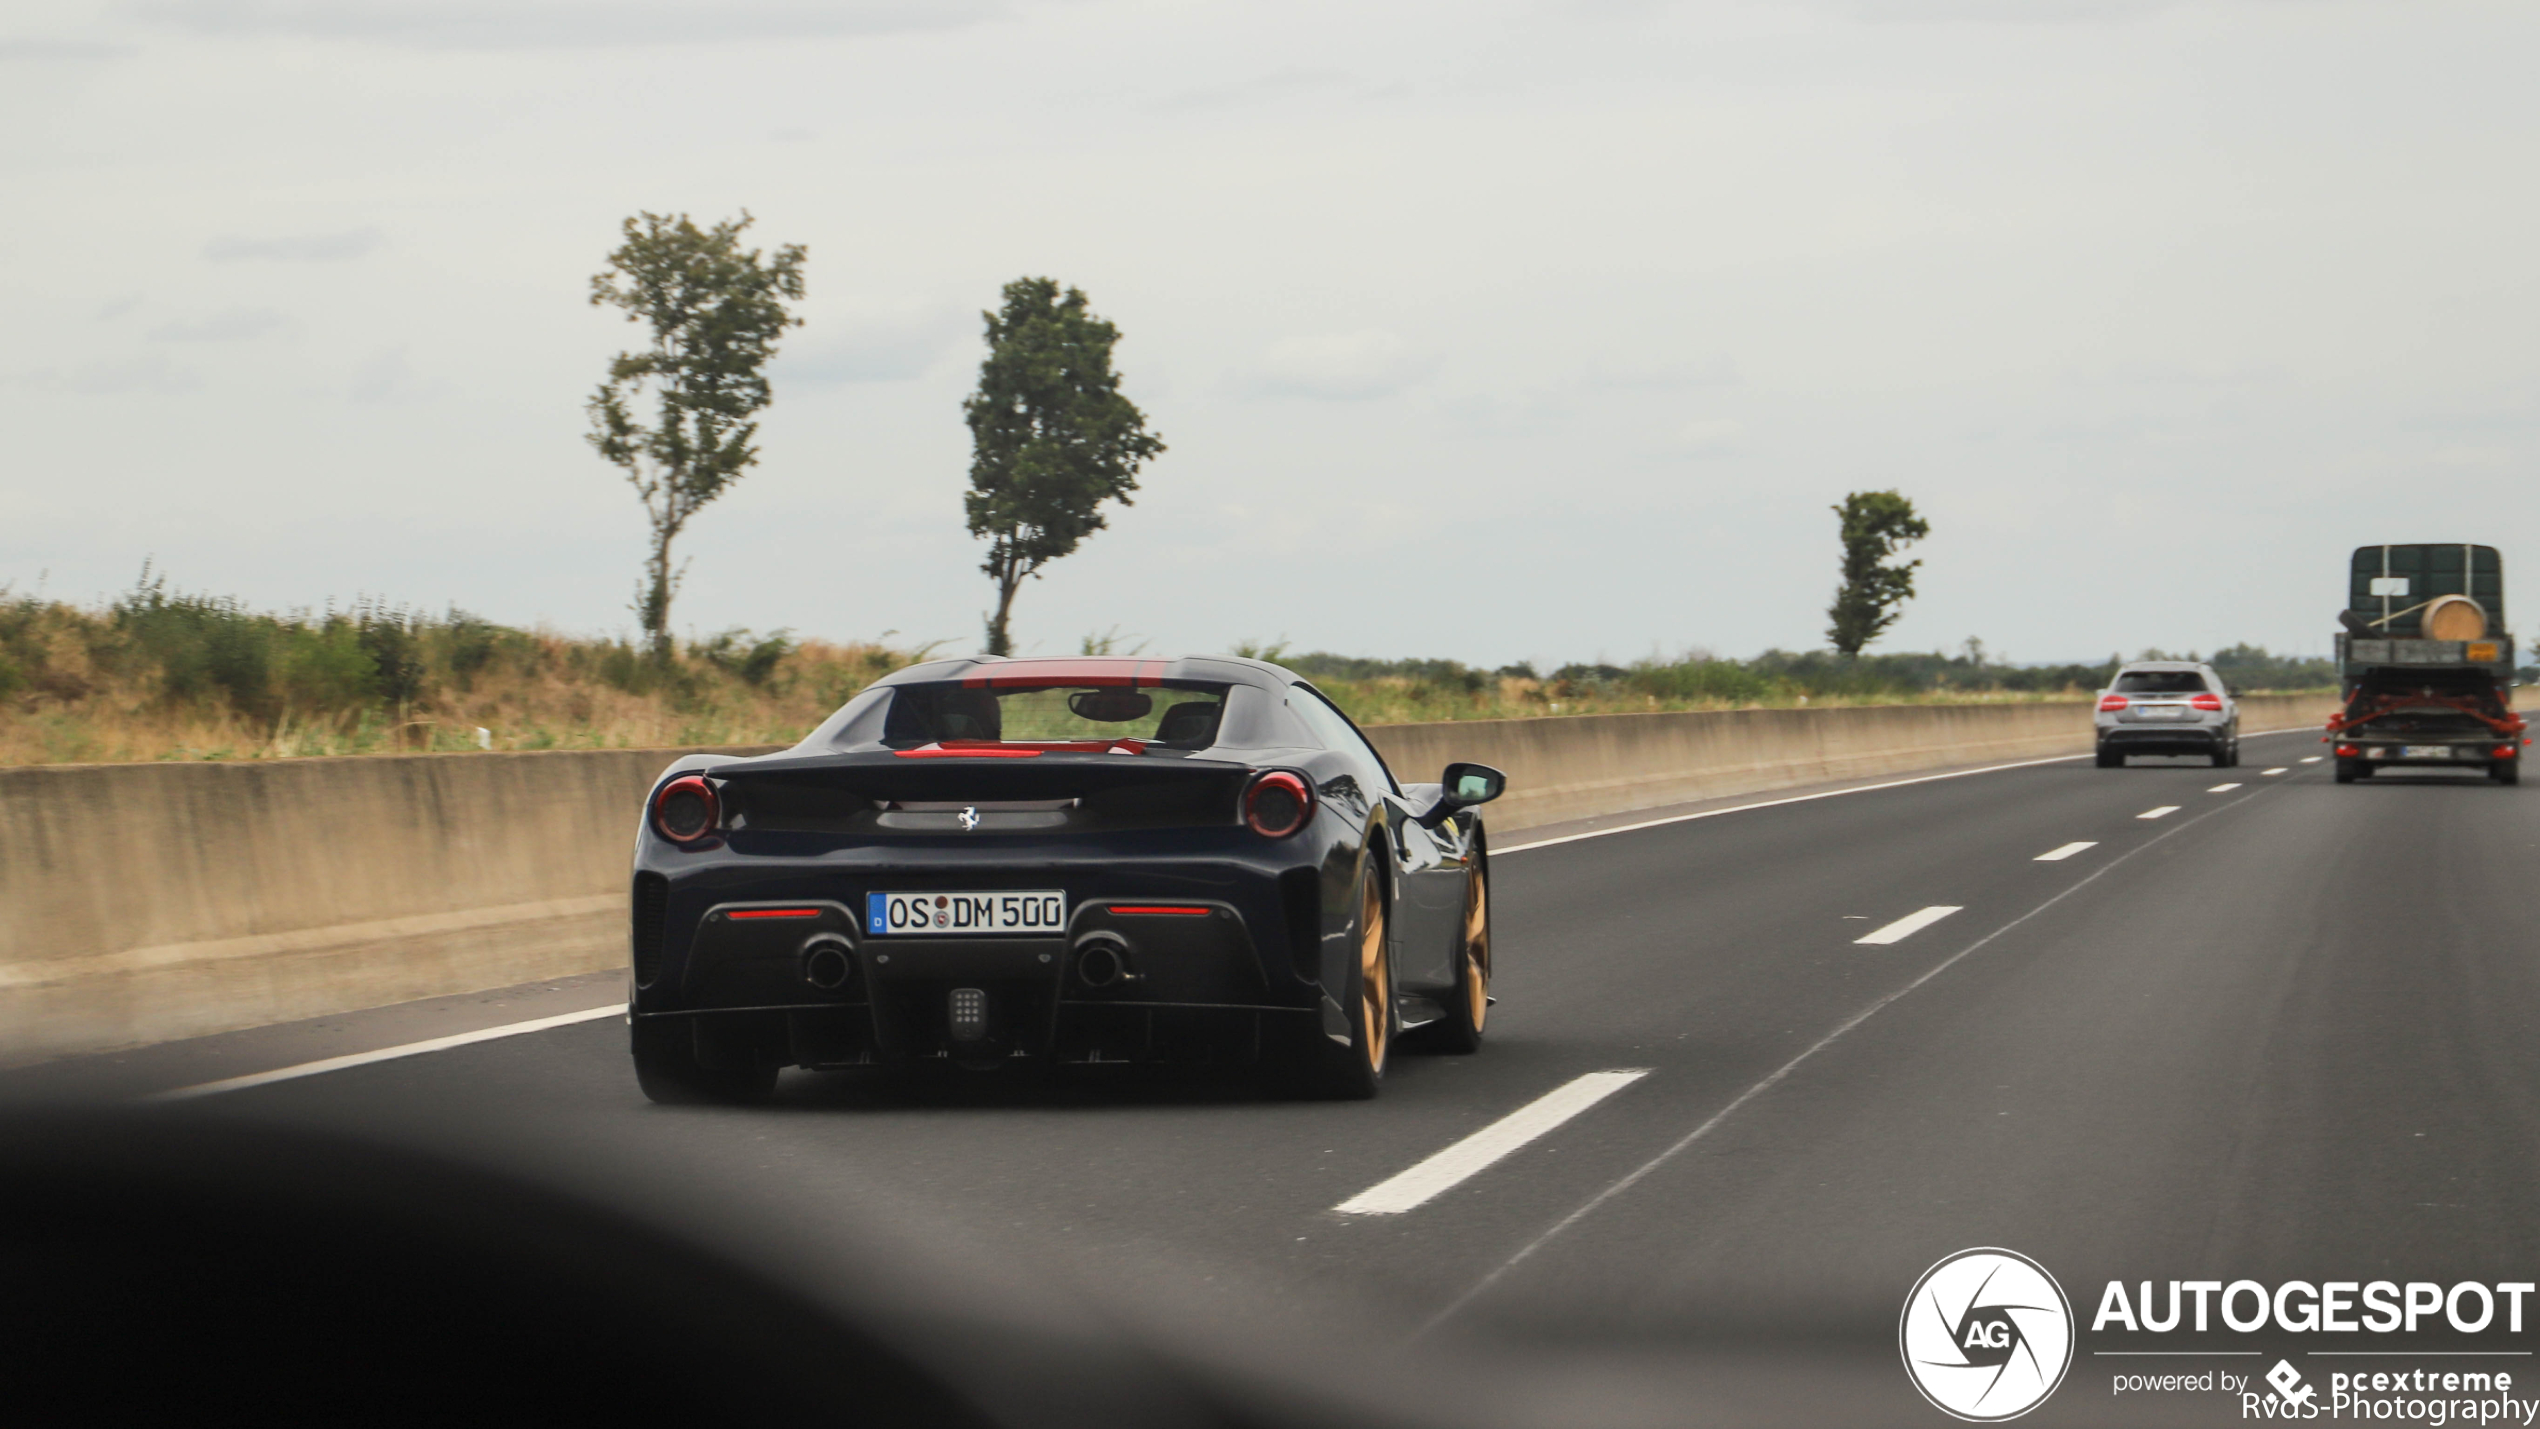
<point>987,862</point>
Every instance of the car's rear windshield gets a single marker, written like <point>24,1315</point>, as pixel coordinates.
<point>2160,682</point>
<point>1178,713</point>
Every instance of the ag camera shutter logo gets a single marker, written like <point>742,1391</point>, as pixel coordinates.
<point>1986,1335</point>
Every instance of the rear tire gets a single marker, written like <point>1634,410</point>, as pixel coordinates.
<point>1356,1072</point>
<point>666,1067</point>
<point>1468,1006</point>
<point>2221,757</point>
<point>2110,759</point>
<point>2348,770</point>
<point>2505,771</point>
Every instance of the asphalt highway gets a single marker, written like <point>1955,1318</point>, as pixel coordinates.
<point>2285,1030</point>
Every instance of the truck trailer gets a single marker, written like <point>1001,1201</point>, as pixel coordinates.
<point>2425,665</point>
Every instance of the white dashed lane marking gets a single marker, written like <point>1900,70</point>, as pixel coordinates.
<point>1476,1153</point>
<point>1909,925</point>
<point>2313,759</point>
<point>2162,812</point>
<point>2058,855</point>
<point>2222,788</point>
<point>2272,772</point>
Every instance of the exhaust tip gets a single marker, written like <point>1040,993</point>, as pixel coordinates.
<point>1102,960</point>
<point>828,962</point>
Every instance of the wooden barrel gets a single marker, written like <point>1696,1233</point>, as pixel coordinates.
<point>2454,617</point>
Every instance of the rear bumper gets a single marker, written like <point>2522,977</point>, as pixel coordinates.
<point>1115,982</point>
<point>2148,738</point>
<point>2456,753</point>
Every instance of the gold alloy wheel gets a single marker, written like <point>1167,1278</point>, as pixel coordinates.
<point>1375,976</point>
<point>1476,949</point>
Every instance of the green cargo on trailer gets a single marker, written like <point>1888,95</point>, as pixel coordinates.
<point>2425,663</point>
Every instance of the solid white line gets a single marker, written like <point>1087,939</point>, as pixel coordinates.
<point>386,1054</point>
<point>1777,803</point>
<point>1909,925</point>
<point>1476,1153</point>
<point>1781,1074</point>
<point>1822,794</point>
<point>2058,855</point>
<point>2271,772</point>
<point>2162,812</point>
<point>2222,788</point>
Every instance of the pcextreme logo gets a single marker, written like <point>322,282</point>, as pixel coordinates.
<point>1986,1335</point>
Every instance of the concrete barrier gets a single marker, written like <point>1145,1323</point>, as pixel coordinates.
<point>145,902</point>
<point>1582,765</point>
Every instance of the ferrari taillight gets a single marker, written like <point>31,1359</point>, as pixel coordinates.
<point>2349,751</point>
<point>2207,702</point>
<point>686,810</point>
<point>2110,704</point>
<point>1277,804</point>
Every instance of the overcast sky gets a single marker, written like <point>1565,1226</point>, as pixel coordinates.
<point>1485,331</point>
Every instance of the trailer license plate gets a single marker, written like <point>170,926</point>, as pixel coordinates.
<point>2425,751</point>
<point>889,914</point>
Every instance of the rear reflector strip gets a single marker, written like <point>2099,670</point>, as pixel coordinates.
<point>1176,911</point>
<point>774,913</point>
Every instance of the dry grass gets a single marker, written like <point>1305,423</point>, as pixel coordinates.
<point>544,706</point>
<point>159,676</point>
<point>200,679</point>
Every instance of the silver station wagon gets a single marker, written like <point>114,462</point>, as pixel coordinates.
<point>2168,707</point>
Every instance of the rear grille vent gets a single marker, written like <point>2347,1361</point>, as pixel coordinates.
<point>652,908</point>
<point>1301,899</point>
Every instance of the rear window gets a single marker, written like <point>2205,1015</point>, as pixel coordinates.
<point>2160,682</point>
<point>1177,714</point>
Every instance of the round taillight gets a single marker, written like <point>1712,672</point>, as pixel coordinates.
<point>1277,804</point>
<point>686,810</point>
<point>2348,751</point>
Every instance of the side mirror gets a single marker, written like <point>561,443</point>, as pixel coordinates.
<point>1470,784</point>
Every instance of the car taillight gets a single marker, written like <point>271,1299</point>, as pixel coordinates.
<point>2349,751</point>
<point>2505,751</point>
<point>2109,703</point>
<point>2207,702</point>
<point>1277,804</point>
<point>686,809</point>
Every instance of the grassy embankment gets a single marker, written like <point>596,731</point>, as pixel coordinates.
<point>157,675</point>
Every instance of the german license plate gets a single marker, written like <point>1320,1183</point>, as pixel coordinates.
<point>2425,751</point>
<point>894,914</point>
<point>2162,711</point>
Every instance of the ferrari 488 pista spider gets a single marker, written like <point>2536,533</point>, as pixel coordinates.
<point>983,861</point>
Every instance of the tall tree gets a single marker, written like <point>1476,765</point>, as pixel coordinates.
<point>1876,525</point>
<point>1051,438</point>
<point>716,311</point>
